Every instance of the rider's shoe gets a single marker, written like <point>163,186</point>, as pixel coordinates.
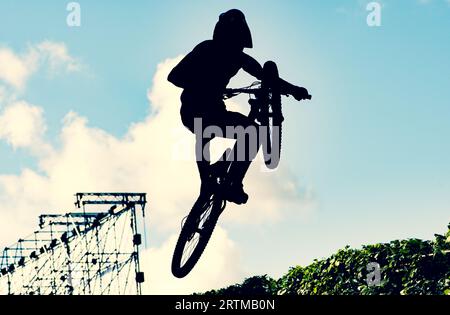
<point>234,192</point>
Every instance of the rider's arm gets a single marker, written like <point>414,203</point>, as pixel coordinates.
<point>252,67</point>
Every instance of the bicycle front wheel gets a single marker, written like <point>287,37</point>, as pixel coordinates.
<point>272,142</point>
<point>272,117</point>
<point>195,234</point>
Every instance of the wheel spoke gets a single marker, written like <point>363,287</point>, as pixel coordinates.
<point>194,240</point>
<point>195,235</point>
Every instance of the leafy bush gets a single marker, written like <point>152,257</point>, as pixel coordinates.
<point>258,285</point>
<point>408,267</point>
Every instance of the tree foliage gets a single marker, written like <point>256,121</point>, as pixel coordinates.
<point>258,285</point>
<point>407,267</point>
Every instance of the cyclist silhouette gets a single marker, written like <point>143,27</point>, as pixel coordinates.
<point>203,75</point>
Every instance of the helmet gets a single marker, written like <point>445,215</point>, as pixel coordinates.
<point>233,29</point>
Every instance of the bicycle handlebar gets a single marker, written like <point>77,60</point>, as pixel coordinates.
<point>254,91</point>
<point>240,91</point>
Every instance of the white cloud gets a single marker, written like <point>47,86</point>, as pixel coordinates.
<point>16,69</point>
<point>219,266</point>
<point>57,56</point>
<point>2,94</point>
<point>22,126</point>
<point>90,159</point>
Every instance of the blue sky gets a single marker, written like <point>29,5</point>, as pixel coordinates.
<point>373,144</point>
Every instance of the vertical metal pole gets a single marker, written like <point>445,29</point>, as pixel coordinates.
<point>136,249</point>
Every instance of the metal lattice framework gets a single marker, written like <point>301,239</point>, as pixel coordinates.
<point>93,251</point>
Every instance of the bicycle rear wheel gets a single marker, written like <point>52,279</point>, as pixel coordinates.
<point>195,234</point>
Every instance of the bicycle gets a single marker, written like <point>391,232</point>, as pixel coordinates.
<point>199,225</point>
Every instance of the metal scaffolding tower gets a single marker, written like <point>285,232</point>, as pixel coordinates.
<point>92,251</point>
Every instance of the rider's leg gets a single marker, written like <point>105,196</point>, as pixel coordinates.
<point>244,151</point>
<point>247,144</point>
<point>236,126</point>
<point>202,155</point>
